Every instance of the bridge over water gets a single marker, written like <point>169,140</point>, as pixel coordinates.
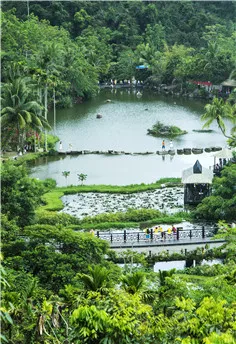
<point>183,239</point>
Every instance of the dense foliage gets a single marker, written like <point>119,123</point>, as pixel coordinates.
<point>71,45</point>
<point>222,203</point>
<point>159,129</point>
<point>58,285</point>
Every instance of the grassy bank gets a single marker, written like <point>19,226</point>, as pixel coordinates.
<point>132,188</point>
<point>23,158</point>
<point>52,201</point>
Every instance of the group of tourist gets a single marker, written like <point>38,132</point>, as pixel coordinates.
<point>220,165</point>
<point>171,232</point>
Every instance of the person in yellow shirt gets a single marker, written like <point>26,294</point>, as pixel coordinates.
<point>169,231</point>
<point>155,232</point>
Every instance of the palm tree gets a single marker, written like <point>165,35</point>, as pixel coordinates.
<point>219,111</point>
<point>82,177</point>
<point>97,279</point>
<point>134,283</point>
<point>66,174</point>
<point>19,112</point>
<point>163,274</point>
<point>48,59</point>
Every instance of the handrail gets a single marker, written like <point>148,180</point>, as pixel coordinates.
<point>140,236</point>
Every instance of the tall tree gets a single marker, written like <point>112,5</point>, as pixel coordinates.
<point>48,59</point>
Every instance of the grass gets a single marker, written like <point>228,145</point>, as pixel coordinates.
<point>132,188</point>
<point>196,278</point>
<point>25,158</point>
<point>52,201</point>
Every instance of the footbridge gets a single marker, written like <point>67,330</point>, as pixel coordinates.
<point>182,240</point>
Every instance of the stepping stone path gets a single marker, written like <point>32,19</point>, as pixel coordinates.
<point>170,200</point>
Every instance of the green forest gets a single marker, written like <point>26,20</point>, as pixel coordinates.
<point>59,282</point>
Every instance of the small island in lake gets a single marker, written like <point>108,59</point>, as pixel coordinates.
<point>160,129</point>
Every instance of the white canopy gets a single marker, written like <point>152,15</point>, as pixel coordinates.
<point>188,177</point>
<point>225,153</point>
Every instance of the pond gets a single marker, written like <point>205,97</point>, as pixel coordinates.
<point>91,204</point>
<point>123,126</point>
<point>181,264</point>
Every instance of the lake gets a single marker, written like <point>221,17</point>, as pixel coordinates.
<point>123,126</point>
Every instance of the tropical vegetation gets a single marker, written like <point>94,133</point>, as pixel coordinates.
<point>159,129</point>
<point>59,282</point>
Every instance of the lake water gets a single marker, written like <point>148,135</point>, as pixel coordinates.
<point>166,266</point>
<point>123,126</point>
<point>181,264</point>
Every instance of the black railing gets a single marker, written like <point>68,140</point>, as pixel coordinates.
<point>139,236</point>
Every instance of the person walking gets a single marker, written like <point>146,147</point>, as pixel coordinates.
<point>60,146</point>
<point>155,232</point>
<point>171,145</point>
<point>162,233</point>
<point>148,234</point>
<point>174,231</point>
<point>163,145</point>
<point>169,231</point>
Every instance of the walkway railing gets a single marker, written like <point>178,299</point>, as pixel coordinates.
<point>181,234</point>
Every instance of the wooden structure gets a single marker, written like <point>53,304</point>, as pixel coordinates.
<point>197,182</point>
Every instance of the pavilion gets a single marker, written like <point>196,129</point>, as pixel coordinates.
<point>197,182</point>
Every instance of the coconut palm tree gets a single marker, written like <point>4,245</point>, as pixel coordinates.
<point>48,59</point>
<point>19,112</point>
<point>218,111</point>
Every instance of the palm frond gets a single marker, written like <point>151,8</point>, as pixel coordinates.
<point>5,119</point>
<point>27,116</point>
<point>208,123</point>
<point>21,121</point>
<point>9,110</point>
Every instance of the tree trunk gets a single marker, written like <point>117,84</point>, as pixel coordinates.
<point>54,109</point>
<point>46,113</point>
<point>28,11</point>
<point>35,141</point>
<point>223,132</point>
